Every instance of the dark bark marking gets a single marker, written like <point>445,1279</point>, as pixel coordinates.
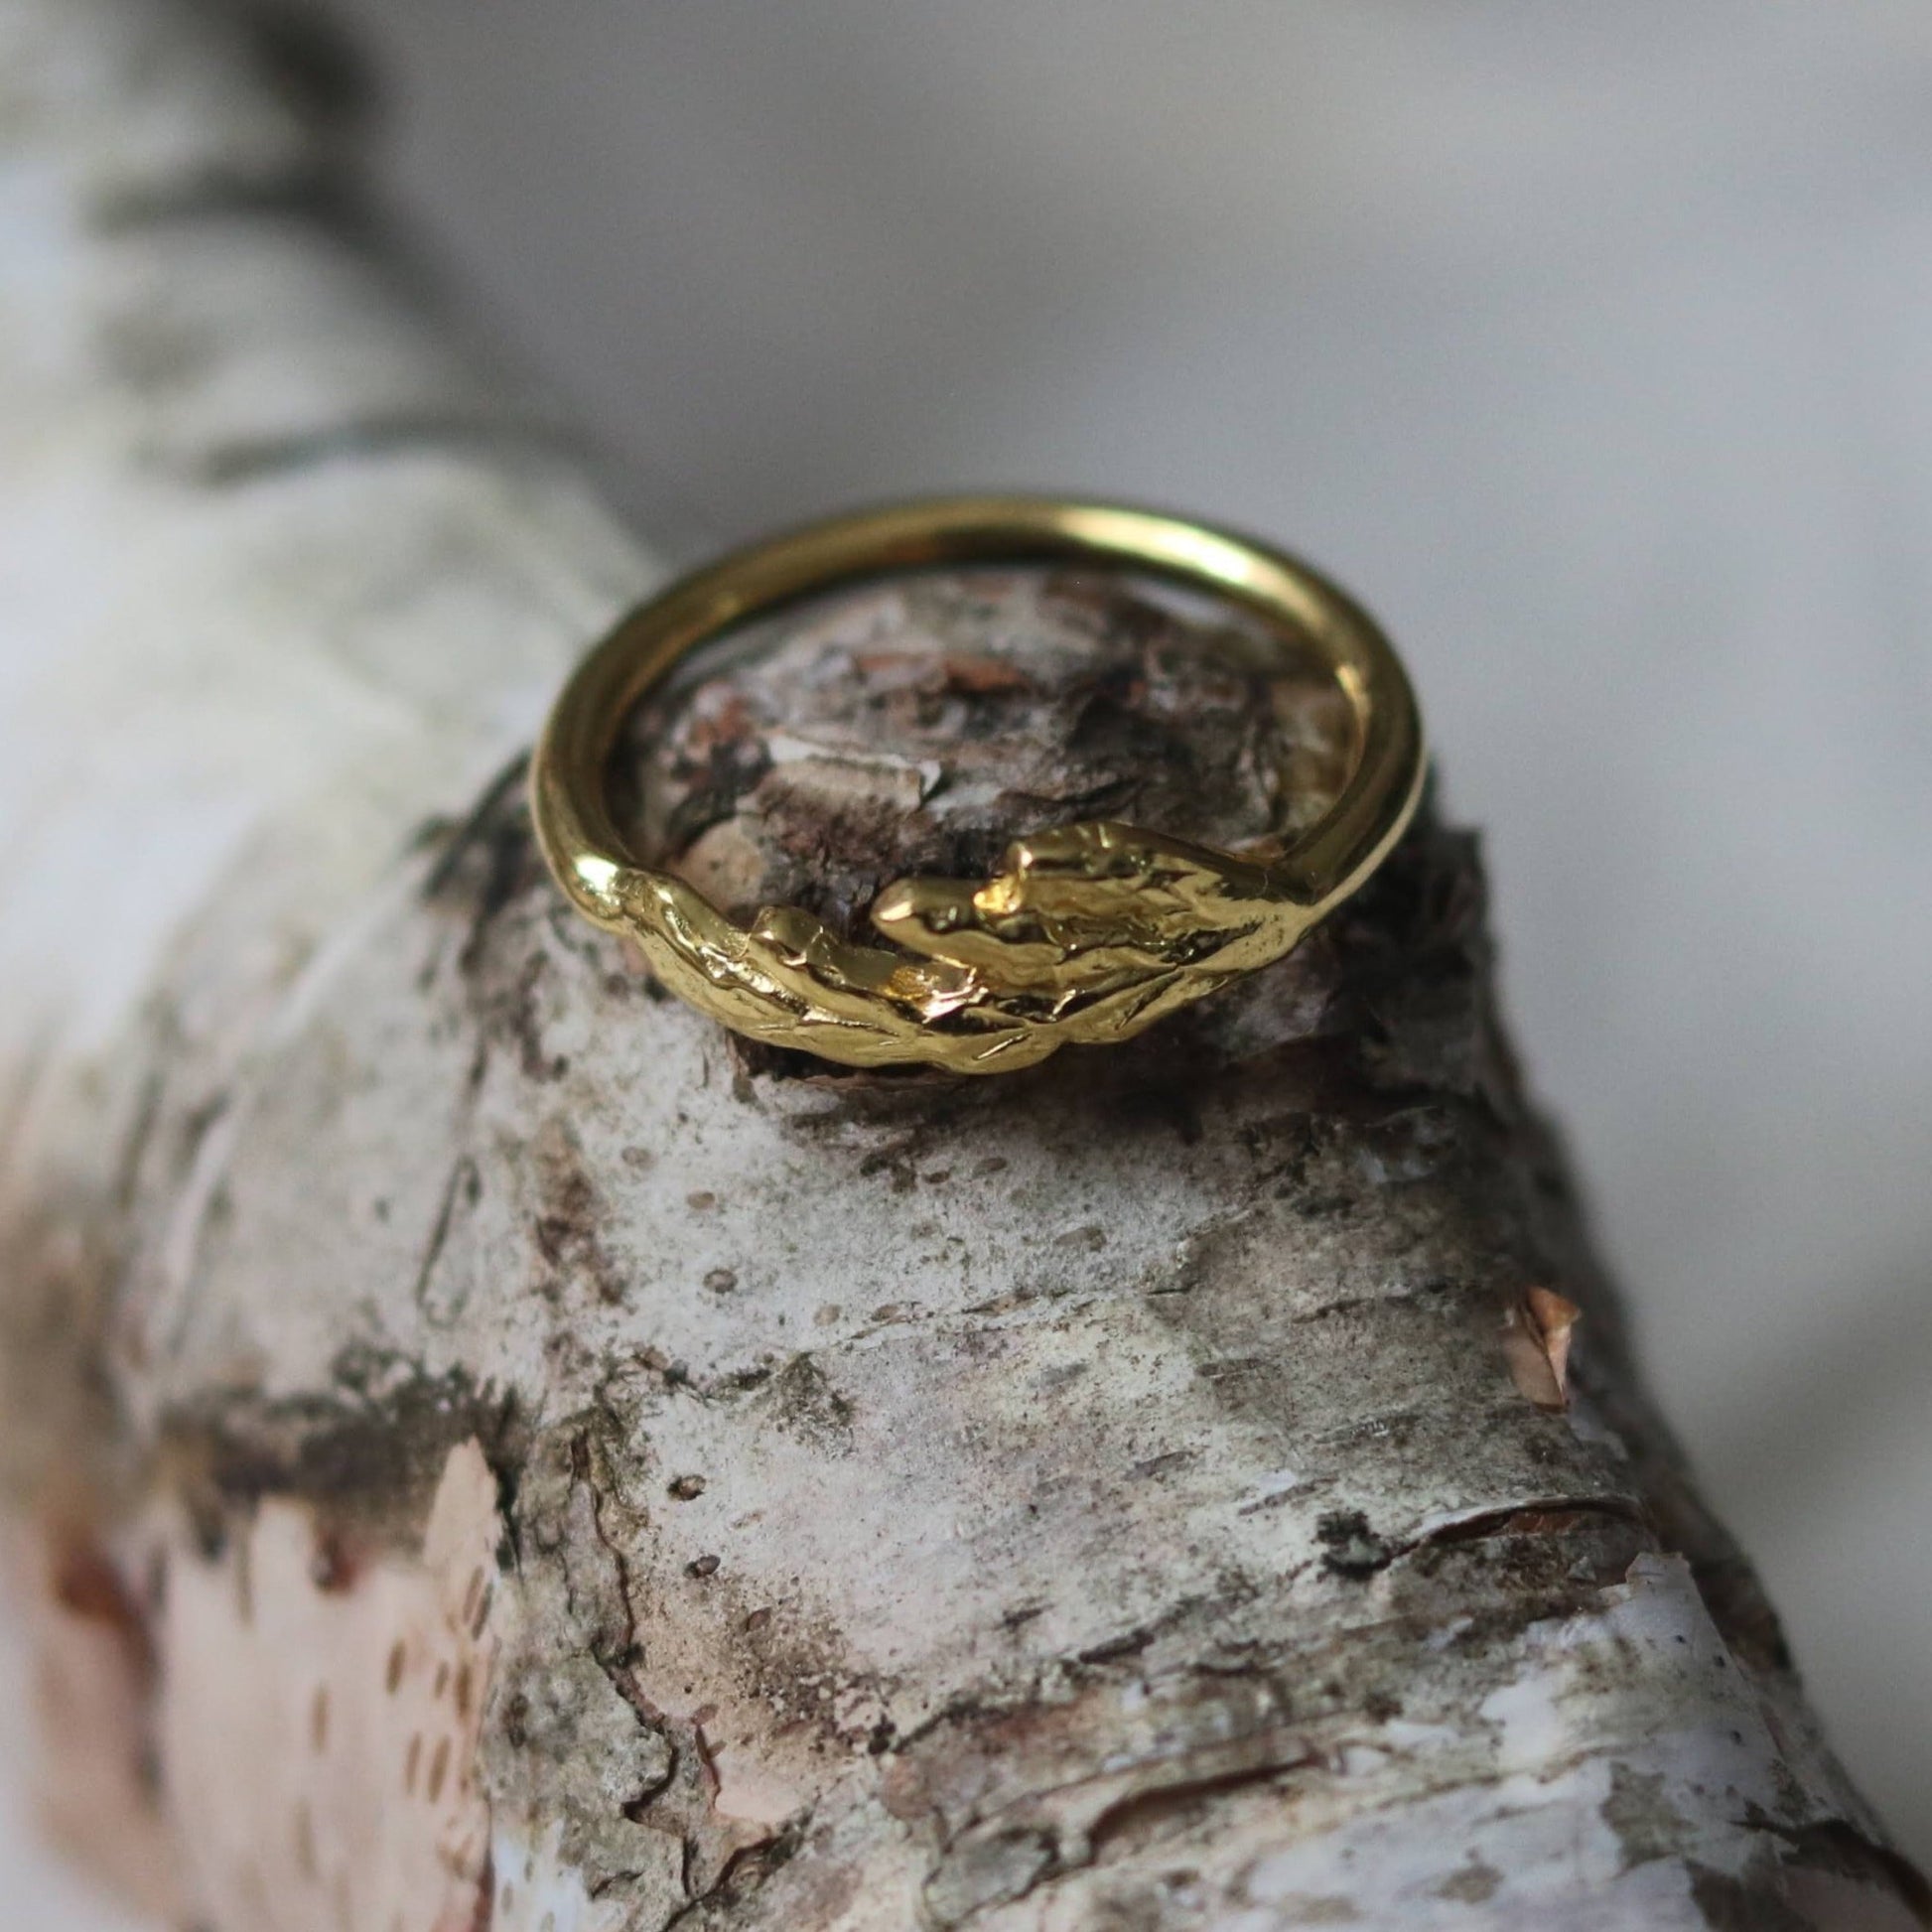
<point>462,1185</point>
<point>408,436</point>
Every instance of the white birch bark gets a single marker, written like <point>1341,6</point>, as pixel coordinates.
<point>486,1452</point>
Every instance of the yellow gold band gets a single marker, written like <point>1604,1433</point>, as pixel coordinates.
<point>1088,932</point>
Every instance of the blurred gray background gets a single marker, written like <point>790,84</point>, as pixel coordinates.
<point>1593,346</point>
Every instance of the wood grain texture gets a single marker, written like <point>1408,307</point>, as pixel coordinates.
<point>517,1458</point>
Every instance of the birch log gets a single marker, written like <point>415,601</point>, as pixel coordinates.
<point>484,1450</point>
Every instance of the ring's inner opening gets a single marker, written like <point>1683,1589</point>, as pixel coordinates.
<point>918,723</point>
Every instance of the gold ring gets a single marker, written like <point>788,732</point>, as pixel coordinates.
<point>1087,933</point>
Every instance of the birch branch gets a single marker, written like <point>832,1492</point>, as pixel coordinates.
<point>484,1450</point>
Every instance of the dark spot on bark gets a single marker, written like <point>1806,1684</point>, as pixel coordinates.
<point>332,1562</point>
<point>1738,1606</point>
<point>807,1404</point>
<point>1170,1106</point>
<point>516,1714</point>
<point>702,1567</point>
<point>479,862</point>
<point>896,1161</point>
<point>1127,1644</point>
<point>367,1457</point>
<point>463,1187</point>
<point>1349,1547</point>
<point>1730,1904</point>
<point>1474,1885</point>
<point>313,63</point>
<point>195,1125</point>
<point>489,866</point>
<point>1646,1823</point>
<point>87,1586</point>
<point>568,1228</point>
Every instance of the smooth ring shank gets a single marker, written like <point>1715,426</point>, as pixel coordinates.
<point>1090,933</point>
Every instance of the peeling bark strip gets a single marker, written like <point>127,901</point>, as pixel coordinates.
<point>486,1449</point>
